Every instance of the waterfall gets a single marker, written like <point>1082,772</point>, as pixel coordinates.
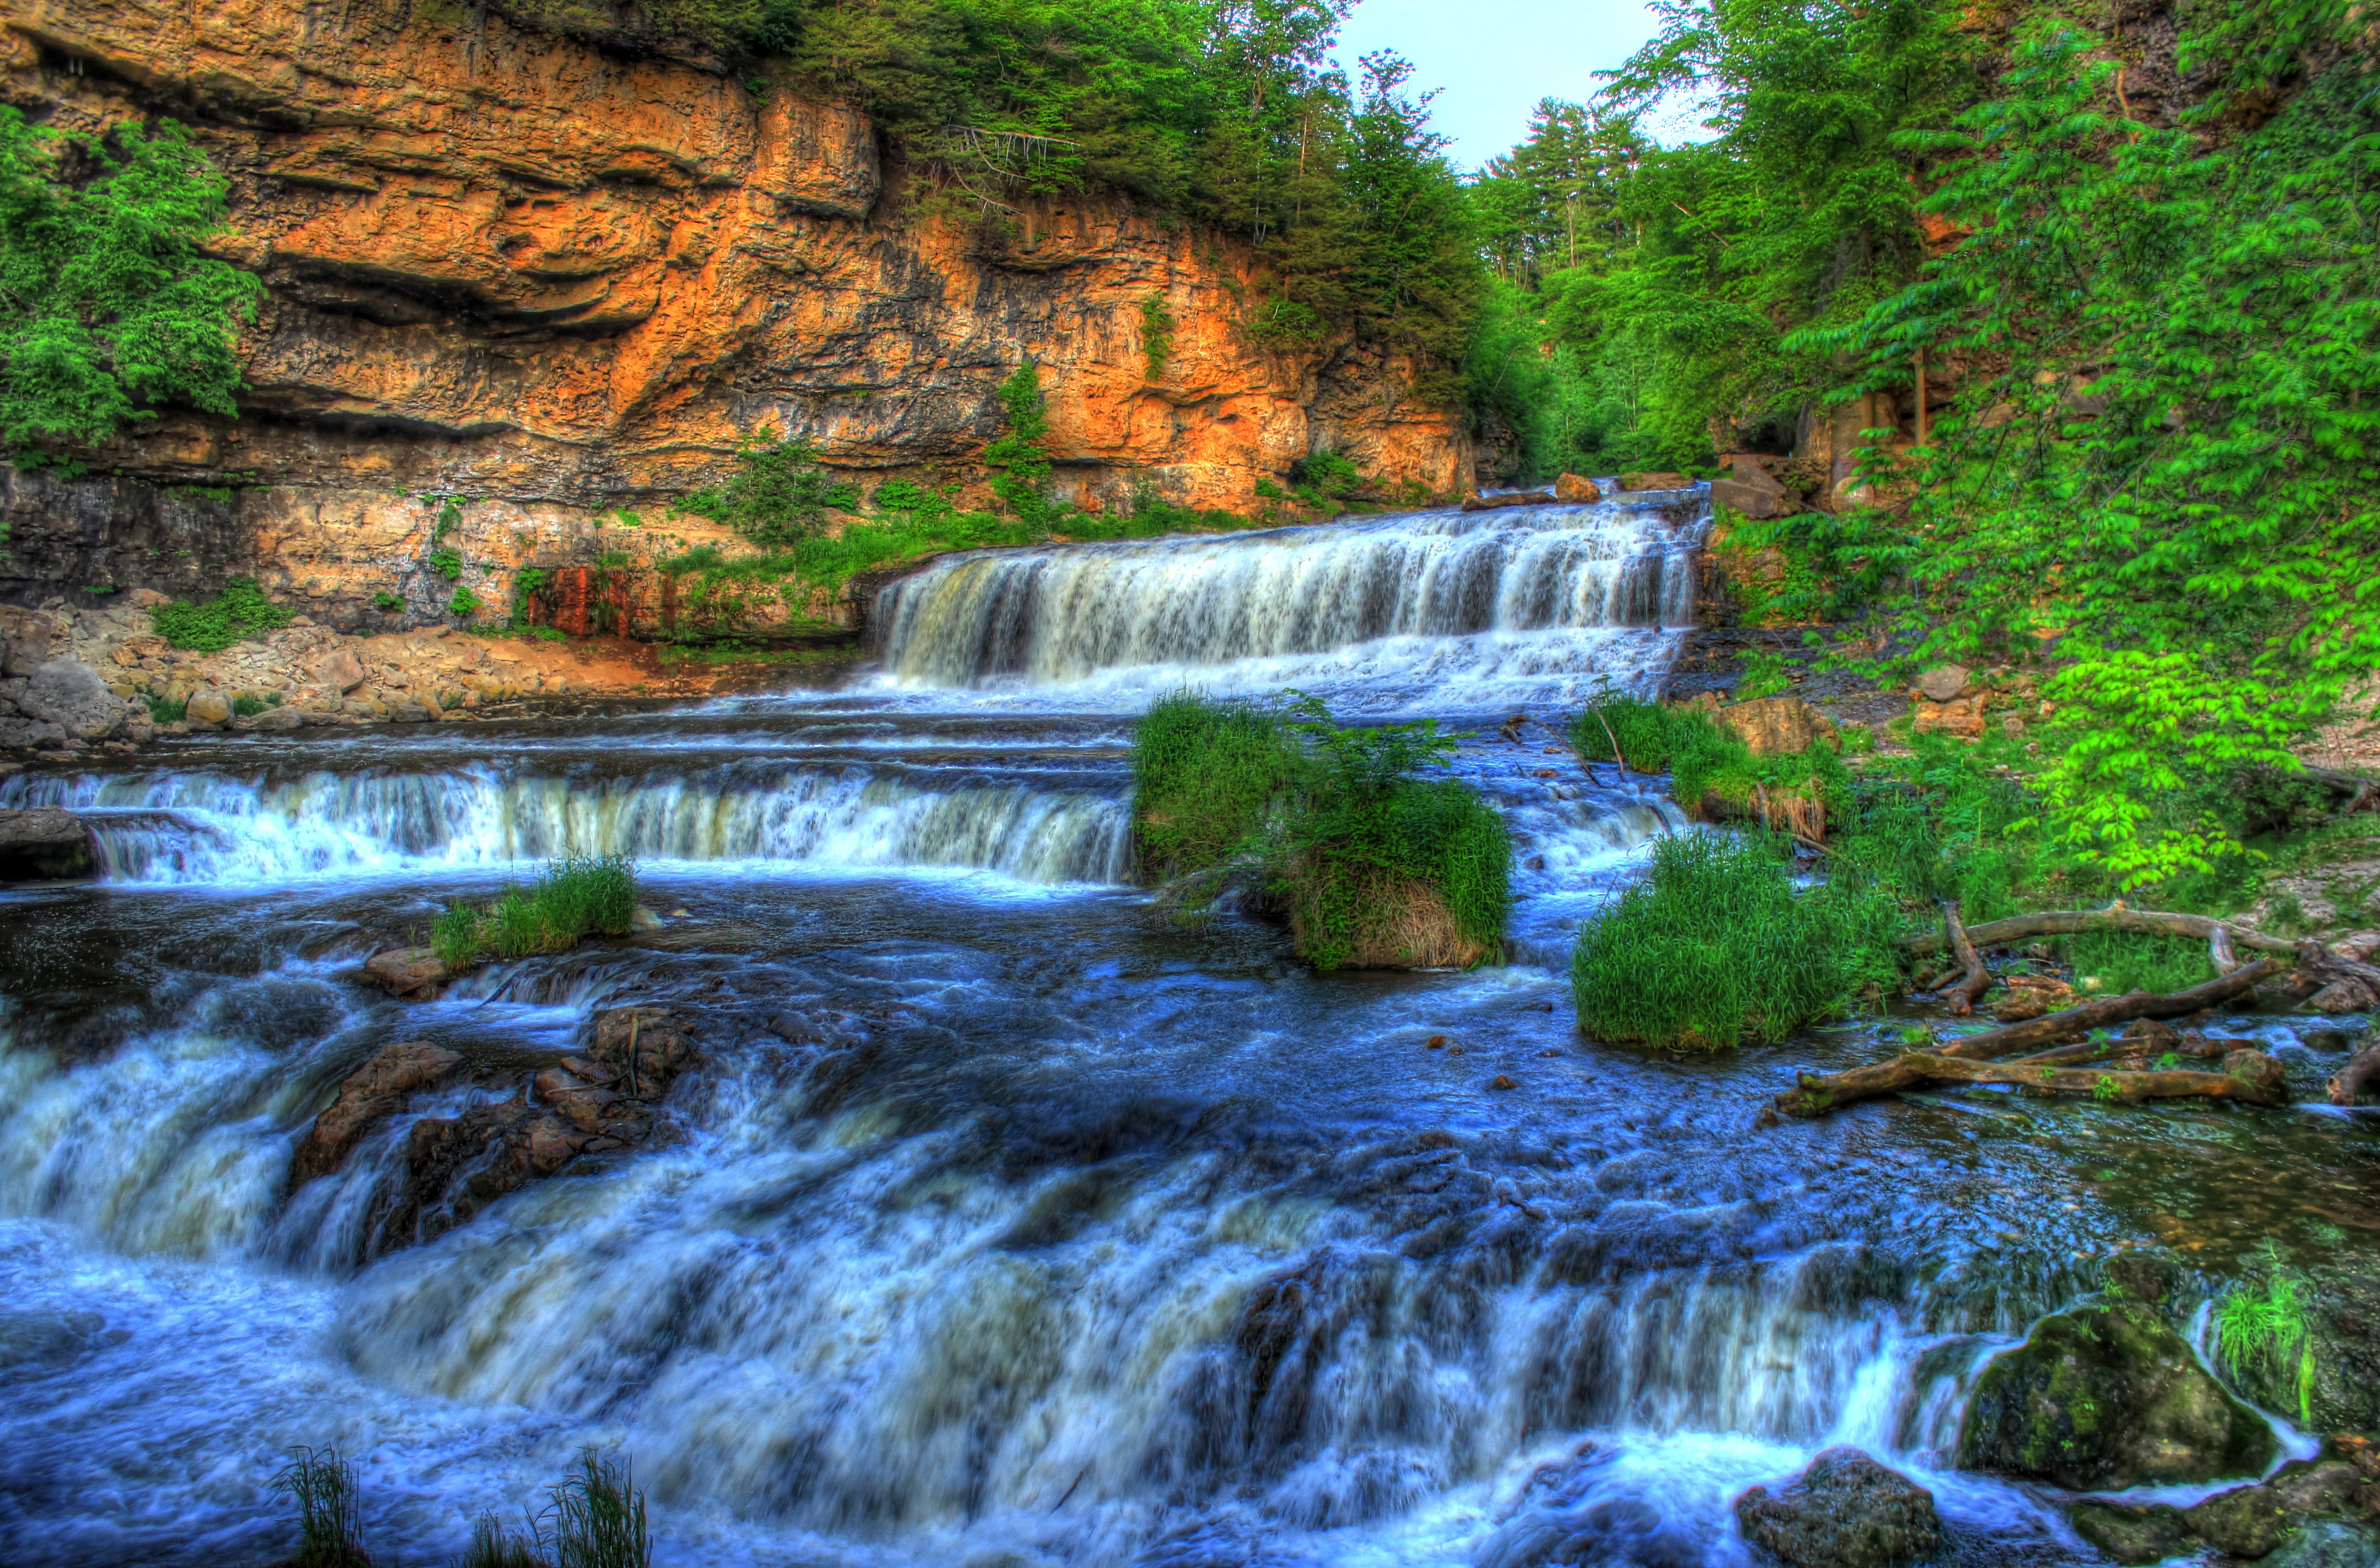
<point>217,828</point>
<point>1494,601</point>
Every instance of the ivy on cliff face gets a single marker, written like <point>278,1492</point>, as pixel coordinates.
<point>107,306</point>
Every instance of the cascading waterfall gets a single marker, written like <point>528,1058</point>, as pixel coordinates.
<point>1471,609</point>
<point>1010,1220</point>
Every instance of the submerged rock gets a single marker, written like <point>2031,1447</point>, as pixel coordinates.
<point>2105,1397</point>
<point>2330,1544</point>
<point>2131,1534</point>
<point>44,844</point>
<point>1845,1511</point>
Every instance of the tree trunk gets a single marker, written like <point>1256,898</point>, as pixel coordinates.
<point>2361,1068</point>
<point>2068,922</point>
<point>2176,1083</point>
<point>1977,980</point>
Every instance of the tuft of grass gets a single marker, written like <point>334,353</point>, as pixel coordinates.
<point>1715,947</point>
<point>597,1518</point>
<point>1337,820</point>
<point>1648,735</point>
<point>2266,1330</point>
<point>330,1519</point>
<point>164,711</point>
<point>580,896</point>
<point>2128,961</point>
<point>239,612</point>
<point>492,1545</point>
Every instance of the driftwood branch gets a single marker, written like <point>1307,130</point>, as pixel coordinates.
<point>1813,1094</point>
<point>1976,979</point>
<point>2176,1083</point>
<point>2068,922</point>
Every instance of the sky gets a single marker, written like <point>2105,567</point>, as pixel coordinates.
<point>1493,59</point>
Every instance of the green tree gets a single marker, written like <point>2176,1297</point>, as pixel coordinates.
<point>1017,454</point>
<point>107,306</point>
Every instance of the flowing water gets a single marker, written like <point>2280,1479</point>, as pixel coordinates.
<point>1012,1222</point>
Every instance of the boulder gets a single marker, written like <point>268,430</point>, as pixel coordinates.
<point>207,707</point>
<point>1745,501</point>
<point>1773,726</point>
<point>1962,716</point>
<point>1845,1511</point>
<point>2260,1068</point>
<point>2105,1397</point>
<point>342,671</point>
<point>28,639</point>
<point>272,720</point>
<point>1746,469</point>
<point>373,1091</point>
<point>1577,490</point>
<point>1942,684</point>
<point>44,844</point>
<point>2132,1534</point>
<point>415,973</point>
<point>2252,1520</point>
<point>70,694</point>
<point>1642,481</point>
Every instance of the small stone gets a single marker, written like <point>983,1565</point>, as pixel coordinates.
<point>1435,1043</point>
<point>411,972</point>
<point>1501,1081</point>
<point>208,706</point>
<point>341,672</point>
<point>644,919</point>
<point>1577,490</point>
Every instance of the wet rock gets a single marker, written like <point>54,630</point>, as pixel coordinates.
<point>2245,1522</point>
<point>1577,490</point>
<point>2130,1534</point>
<point>2030,996</point>
<point>43,843</point>
<point>1648,480</point>
<point>2348,994</point>
<point>2151,1034</point>
<point>414,973</point>
<point>2105,1397</point>
<point>2144,1274</point>
<point>2257,1068</point>
<point>71,695</point>
<point>373,1091</point>
<point>644,1048</point>
<point>33,1343</point>
<point>2329,1544</point>
<point>1516,498</point>
<point>1845,1511</point>
<point>1774,727</point>
<point>643,919</point>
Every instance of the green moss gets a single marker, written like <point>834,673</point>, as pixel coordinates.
<point>239,612</point>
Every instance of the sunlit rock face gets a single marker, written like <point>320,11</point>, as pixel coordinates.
<point>514,266</point>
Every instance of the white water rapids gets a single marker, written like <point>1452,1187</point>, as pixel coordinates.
<point>1014,1224</point>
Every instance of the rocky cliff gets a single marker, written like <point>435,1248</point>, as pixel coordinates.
<point>558,280</point>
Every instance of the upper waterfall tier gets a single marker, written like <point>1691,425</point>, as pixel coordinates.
<point>1530,593</point>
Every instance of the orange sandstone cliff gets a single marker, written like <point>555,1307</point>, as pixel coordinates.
<point>559,281</point>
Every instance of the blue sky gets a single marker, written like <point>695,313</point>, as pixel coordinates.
<point>1494,58</point>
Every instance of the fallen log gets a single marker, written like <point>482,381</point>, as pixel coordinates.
<point>1977,978</point>
<point>2069,922</point>
<point>2361,1068</point>
<point>2180,1083</point>
<point>1815,1094</point>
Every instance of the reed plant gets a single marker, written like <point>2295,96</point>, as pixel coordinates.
<point>330,1513</point>
<point>576,897</point>
<point>597,1518</point>
<point>492,1545</point>
<point>1716,948</point>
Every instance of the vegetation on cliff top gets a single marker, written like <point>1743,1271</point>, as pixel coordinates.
<point>107,308</point>
<point>1376,859</point>
<point>2148,356</point>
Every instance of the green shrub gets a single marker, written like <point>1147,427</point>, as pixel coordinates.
<point>1156,337</point>
<point>1647,733</point>
<point>576,897</point>
<point>1207,775</point>
<point>387,600</point>
<point>779,492</point>
<point>1715,947</point>
<point>247,707</point>
<point>239,612</point>
<point>164,711</point>
<point>1335,819</point>
<point>465,604</point>
<point>446,563</point>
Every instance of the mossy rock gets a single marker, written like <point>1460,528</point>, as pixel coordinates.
<point>2342,1318</point>
<point>2105,1397</point>
<point>2132,1534</point>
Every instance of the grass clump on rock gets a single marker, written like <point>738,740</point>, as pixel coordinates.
<point>1716,948</point>
<point>1377,863</point>
<point>239,612</point>
<point>579,897</point>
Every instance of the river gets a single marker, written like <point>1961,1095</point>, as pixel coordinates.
<point>1013,1221</point>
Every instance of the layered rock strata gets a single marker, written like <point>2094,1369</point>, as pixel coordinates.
<point>559,282</point>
